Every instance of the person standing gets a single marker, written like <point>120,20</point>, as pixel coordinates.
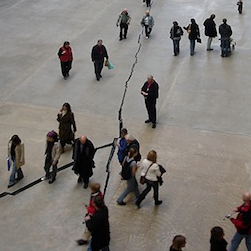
<point>242,224</point>
<point>147,22</point>
<point>132,184</point>
<point>83,155</point>
<point>193,34</point>
<point>98,54</point>
<point>52,155</point>
<point>16,154</point>
<point>150,91</point>
<point>122,144</point>
<point>217,241</point>
<point>67,126</point>
<point>240,6</point>
<point>66,58</point>
<point>148,3</point>
<point>132,143</point>
<point>210,31</point>
<point>123,22</point>
<point>151,172</point>
<point>175,34</point>
<point>99,226</point>
<point>179,242</point>
<point>225,32</point>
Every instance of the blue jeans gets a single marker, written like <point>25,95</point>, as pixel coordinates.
<point>192,46</point>
<point>224,46</point>
<point>132,185</point>
<point>236,240</point>
<point>176,46</point>
<point>13,173</point>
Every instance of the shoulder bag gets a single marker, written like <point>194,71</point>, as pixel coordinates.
<point>143,177</point>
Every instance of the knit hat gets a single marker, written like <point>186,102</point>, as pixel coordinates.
<point>52,134</point>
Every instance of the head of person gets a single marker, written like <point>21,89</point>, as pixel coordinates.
<point>150,79</point>
<point>15,140</point>
<point>179,241</point>
<point>98,202</point>
<point>152,156</point>
<point>217,233</point>
<point>193,21</point>
<point>125,11</point>
<point>51,136</point>
<point>132,152</point>
<point>123,132</point>
<point>246,197</point>
<point>129,138</point>
<point>148,13</point>
<point>66,107</point>
<point>82,139</point>
<point>224,20</point>
<point>94,186</point>
<point>66,44</point>
<point>175,23</point>
<point>212,16</point>
<point>100,42</point>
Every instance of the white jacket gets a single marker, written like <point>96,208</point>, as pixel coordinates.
<point>153,171</point>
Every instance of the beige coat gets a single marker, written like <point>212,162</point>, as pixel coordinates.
<point>19,152</point>
<point>55,152</point>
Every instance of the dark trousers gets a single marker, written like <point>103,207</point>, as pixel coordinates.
<point>149,185</point>
<point>20,174</point>
<point>151,109</point>
<point>47,166</point>
<point>147,30</point>
<point>98,66</point>
<point>225,46</point>
<point>65,68</point>
<point>148,3</point>
<point>125,28</point>
<point>176,46</point>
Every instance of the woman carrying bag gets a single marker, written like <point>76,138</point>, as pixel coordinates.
<point>150,172</point>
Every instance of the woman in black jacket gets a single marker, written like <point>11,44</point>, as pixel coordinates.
<point>193,34</point>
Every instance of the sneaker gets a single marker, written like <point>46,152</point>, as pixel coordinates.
<point>81,242</point>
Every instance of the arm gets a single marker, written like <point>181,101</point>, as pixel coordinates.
<point>118,21</point>
<point>128,19</point>
<point>105,53</point>
<point>73,122</point>
<point>57,153</point>
<point>92,54</point>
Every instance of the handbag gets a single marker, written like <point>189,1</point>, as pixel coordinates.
<point>198,39</point>
<point>8,162</point>
<point>143,177</point>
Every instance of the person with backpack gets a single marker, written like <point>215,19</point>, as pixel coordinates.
<point>151,172</point>
<point>128,173</point>
<point>225,32</point>
<point>175,34</point>
<point>242,224</point>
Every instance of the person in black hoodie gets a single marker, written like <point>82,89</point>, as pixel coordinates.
<point>175,34</point>
<point>150,91</point>
<point>98,225</point>
<point>98,54</point>
<point>217,241</point>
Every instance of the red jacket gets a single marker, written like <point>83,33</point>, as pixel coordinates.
<point>243,219</point>
<point>91,209</point>
<point>65,54</point>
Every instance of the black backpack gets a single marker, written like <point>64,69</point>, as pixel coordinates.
<point>126,172</point>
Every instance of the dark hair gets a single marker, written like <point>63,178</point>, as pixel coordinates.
<point>193,21</point>
<point>132,151</point>
<point>179,241</point>
<point>216,233</point>
<point>175,23</point>
<point>152,156</point>
<point>15,140</point>
<point>68,106</point>
<point>98,201</point>
<point>224,20</point>
<point>66,43</point>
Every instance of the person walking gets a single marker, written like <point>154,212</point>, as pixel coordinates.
<point>67,126</point>
<point>52,155</point>
<point>175,34</point>
<point>225,32</point>
<point>193,34</point>
<point>66,58</point>
<point>179,242</point>
<point>240,6</point>
<point>98,54</point>
<point>147,22</point>
<point>16,155</point>
<point>151,172</point>
<point>242,224</point>
<point>83,162</point>
<point>99,226</point>
<point>150,92</point>
<point>123,22</point>
<point>132,184</point>
<point>217,241</point>
<point>122,144</point>
<point>148,3</point>
<point>210,31</point>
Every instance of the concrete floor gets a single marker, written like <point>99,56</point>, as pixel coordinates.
<point>202,136</point>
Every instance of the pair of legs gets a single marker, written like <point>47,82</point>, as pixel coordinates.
<point>176,46</point>
<point>125,28</point>
<point>192,46</point>
<point>15,172</point>
<point>83,177</point>
<point>236,240</point>
<point>47,166</point>
<point>106,248</point>
<point>148,3</point>
<point>148,30</point>
<point>149,186</point>
<point>225,45</point>
<point>151,109</point>
<point>98,66</point>
<point>132,186</point>
<point>65,68</point>
<point>209,42</point>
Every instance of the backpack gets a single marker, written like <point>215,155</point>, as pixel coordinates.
<point>126,172</point>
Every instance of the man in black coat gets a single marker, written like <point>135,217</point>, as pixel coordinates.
<point>225,32</point>
<point>210,31</point>
<point>83,155</point>
<point>150,91</point>
<point>98,225</point>
<point>98,54</point>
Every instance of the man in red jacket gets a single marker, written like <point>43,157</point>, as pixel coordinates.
<point>65,56</point>
<point>242,224</point>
